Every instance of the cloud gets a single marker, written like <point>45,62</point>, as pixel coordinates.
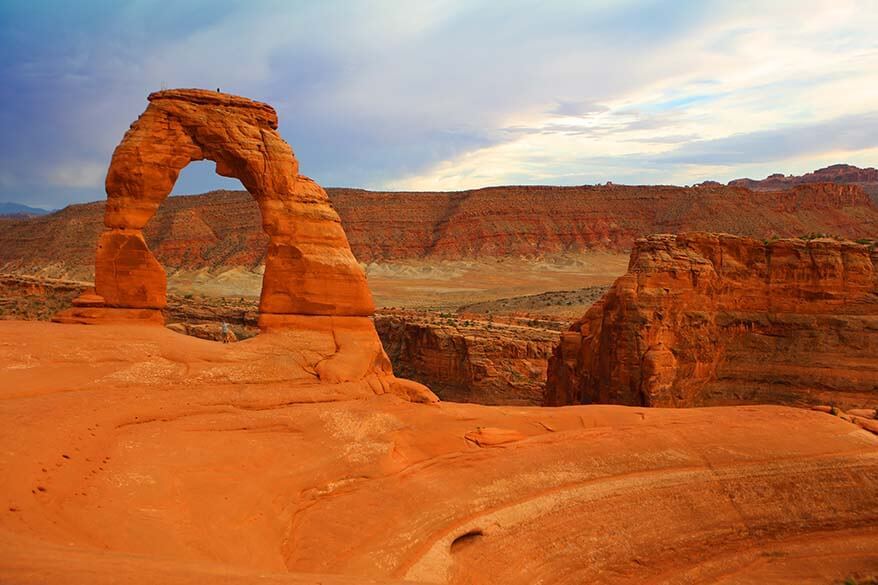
<point>846,133</point>
<point>77,175</point>
<point>446,93</point>
<point>577,108</point>
<point>756,90</point>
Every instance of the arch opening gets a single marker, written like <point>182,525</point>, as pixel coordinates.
<point>207,235</point>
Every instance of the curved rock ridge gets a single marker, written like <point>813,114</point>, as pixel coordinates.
<point>312,282</point>
<point>309,266</point>
<point>710,319</point>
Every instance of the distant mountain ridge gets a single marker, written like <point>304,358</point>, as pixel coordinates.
<point>223,229</point>
<point>842,174</point>
<point>9,209</point>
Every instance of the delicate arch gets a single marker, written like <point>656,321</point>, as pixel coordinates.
<point>309,269</point>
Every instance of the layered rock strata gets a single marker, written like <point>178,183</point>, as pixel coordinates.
<point>541,220</point>
<point>707,319</point>
<point>223,229</point>
<point>866,178</point>
<point>468,358</point>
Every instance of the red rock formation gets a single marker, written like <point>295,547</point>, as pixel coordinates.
<point>35,298</point>
<point>309,267</point>
<point>704,319</point>
<point>840,174</point>
<point>467,359</point>
<point>312,282</point>
<point>223,229</point>
<point>535,221</point>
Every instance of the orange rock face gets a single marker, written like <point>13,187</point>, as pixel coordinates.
<point>223,229</point>
<point>309,266</point>
<point>128,275</point>
<point>468,360</point>
<point>704,319</point>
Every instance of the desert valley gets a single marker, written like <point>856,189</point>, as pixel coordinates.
<point>528,381</point>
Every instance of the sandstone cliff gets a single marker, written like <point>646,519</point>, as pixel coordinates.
<point>466,359</point>
<point>706,319</point>
<point>534,221</point>
<point>222,229</point>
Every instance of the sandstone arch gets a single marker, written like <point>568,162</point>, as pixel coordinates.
<point>310,269</point>
<point>313,290</point>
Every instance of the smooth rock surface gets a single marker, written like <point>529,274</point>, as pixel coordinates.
<point>137,455</point>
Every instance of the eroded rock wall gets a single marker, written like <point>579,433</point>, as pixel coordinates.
<point>223,229</point>
<point>710,319</point>
<point>866,178</point>
<point>542,220</point>
<point>468,360</point>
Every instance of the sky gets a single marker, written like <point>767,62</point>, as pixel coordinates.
<point>450,94</point>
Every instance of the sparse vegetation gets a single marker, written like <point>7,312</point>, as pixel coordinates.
<point>857,580</point>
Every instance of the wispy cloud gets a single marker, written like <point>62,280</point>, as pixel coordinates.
<point>450,93</point>
<point>846,134</point>
<point>77,174</point>
<point>763,91</point>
